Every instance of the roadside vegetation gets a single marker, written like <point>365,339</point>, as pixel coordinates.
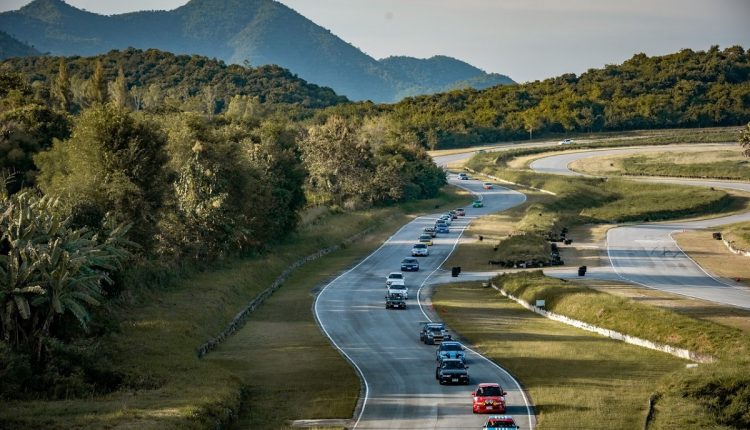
<point>167,386</point>
<point>115,214</point>
<point>558,363</point>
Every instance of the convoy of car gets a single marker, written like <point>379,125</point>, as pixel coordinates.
<point>450,355</point>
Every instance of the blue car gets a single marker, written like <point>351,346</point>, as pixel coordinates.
<point>451,351</point>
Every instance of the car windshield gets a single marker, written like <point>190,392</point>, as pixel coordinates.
<point>409,260</point>
<point>453,364</point>
<point>434,328</point>
<point>425,237</point>
<point>396,276</point>
<point>500,423</point>
<point>420,246</point>
<point>489,392</point>
<point>450,347</point>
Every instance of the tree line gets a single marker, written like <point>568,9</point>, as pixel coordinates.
<point>105,195</point>
<point>684,89</point>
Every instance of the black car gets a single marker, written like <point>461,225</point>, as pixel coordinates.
<point>433,333</point>
<point>452,372</point>
<point>395,301</point>
<point>410,265</point>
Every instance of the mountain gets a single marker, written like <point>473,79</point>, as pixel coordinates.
<point>241,31</point>
<point>10,47</point>
<point>439,72</point>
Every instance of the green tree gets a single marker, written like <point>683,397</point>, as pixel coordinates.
<point>118,90</point>
<point>340,164</point>
<point>62,94</point>
<point>50,269</point>
<point>277,157</point>
<point>745,141</point>
<point>114,163</point>
<point>97,85</point>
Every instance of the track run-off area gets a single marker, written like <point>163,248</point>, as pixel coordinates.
<point>397,370</point>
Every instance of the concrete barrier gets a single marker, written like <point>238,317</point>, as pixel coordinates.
<point>669,349</point>
<point>734,250</point>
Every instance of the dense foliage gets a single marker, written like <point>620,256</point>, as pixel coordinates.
<point>685,89</point>
<point>200,166</point>
<point>238,31</point>
<point>160,80</point>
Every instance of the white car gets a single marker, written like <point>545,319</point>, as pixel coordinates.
<point>394,277</point>
<point>399,288</point>
<point>420,250</point>
<point>566,142</point>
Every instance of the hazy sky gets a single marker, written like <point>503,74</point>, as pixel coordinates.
<point>525,39</point>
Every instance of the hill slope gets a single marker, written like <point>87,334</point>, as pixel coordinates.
<point>181,77</point>
<point>10,47</point>
<point>236,31</point>
<point>684,89</point>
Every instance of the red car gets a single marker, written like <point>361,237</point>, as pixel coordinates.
<point>488,397</point>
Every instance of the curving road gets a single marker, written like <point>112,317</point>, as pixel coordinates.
<point>646,254</point>
<point>397,369</point>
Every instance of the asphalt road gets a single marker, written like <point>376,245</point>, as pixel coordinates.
<point>646,254</point>
<point>397,369</point>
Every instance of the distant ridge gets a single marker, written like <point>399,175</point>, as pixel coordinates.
<point>240,31</point>
<point>10,47</point>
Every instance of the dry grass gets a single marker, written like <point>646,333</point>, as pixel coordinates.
<point>713,255</point>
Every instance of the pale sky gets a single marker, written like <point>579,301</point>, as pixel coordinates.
<point>524,39</point>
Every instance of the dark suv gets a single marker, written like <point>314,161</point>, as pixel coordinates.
<point>395,301</point>
<point>410,265</point>
<point>433,333</point>
<point>451,371</point>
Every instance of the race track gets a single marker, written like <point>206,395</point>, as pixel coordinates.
<point>401,391</point>
<point>646,254</point>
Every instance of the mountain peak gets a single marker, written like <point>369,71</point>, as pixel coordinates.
<point>51,11</point>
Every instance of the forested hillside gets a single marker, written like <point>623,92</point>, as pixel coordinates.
<point>10,47</point>
<point>685,89</point>
<point>167,81</point>
<point>235,31</point>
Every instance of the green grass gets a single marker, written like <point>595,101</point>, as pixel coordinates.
<point>577,380</point>
<point>610,381</point>
<point>739,233</point>
<point>168,387</point>
<point>646,166</point>
<point>627,316</point>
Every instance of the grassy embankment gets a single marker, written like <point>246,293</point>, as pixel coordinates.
<point>168,387</point>
<point>578,201</point>
<point>718,164</point>
<point>621,138</point>
<point>581,380</point>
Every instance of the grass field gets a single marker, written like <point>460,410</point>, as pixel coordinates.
<point>610,381</point>
<point>168,387</point>
<point>719,163</point>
